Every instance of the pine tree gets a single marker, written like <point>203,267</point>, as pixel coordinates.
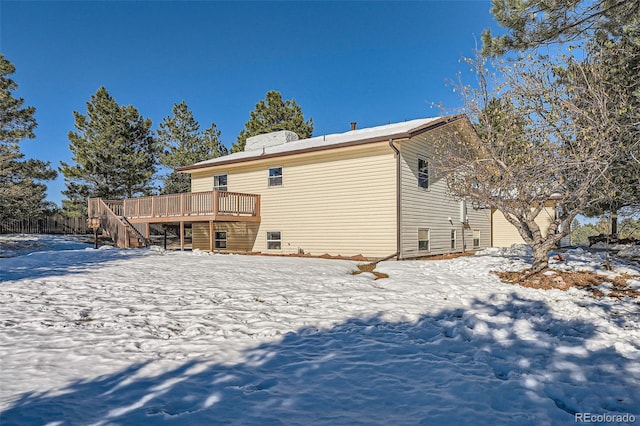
<point>113,151</point>
<point>580,233</point>
<point>273,114</point>
<point>536,23</point>
<point>619,64</point>
<point>183,143</point>
<point>22,193</point>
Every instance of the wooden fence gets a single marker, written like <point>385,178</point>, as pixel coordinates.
<point>54,224</point>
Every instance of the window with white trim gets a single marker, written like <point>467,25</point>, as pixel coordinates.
<point>476,238</point>
<point>275,176</point>
<point>220,182</point>
<point>424,235</point>
<point>274,240</point>
<point>220,240</point>
<point>423,173</point>
<point>454,238</point>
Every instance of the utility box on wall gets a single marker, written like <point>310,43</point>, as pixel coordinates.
<point>463,212</point>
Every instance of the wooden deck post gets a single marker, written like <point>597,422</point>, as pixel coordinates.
<point>181,236</point>
<point>165,238</point>
<point>211,236</point>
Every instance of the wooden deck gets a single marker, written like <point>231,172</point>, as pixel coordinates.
<point>187,207</point>
<point>128,221</point>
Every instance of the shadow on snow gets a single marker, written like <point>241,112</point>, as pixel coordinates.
<point>42,264</point>
<point>499,362</point>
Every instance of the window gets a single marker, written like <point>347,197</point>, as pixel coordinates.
<point>220,183</point>
<point>423,173</point>
<point>423,239</point>
<point>220,241</point>
<point>274,240</point>
<point>454,235</point>
<point>476,238</point>
<point>275,176</point>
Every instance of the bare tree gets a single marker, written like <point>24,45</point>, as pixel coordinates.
<point>609,30</point>
<point>542,136</point>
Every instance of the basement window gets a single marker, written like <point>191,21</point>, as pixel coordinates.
<point>220,182</point>
<point>476,238</point>
<point>274,240</point>
<point>220,241</point>
<point>275,176</point>
<point>423,173</point>
<point>423,239</point>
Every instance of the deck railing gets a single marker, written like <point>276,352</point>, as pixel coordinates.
<point>209,203</point>
<point>96,208</point>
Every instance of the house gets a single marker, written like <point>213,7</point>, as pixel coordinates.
<point>504,234</point>
<point>366,191</point>
<point>369,192</point>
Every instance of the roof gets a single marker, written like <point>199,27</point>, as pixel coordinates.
<point>403,130</point>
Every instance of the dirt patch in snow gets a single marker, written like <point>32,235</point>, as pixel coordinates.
<point>370,267</point>
<point>357,257</point>
<point>598,285</point>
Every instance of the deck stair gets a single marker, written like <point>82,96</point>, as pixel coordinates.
<point>136,239</point>
<point>107,214</point>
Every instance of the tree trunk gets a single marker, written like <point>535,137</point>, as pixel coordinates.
<point>614,224</point>
<point>540,259</point>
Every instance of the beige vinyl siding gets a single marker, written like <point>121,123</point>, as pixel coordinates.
<point>339,201</point>
<point>431,208</point>
<point>200,235</point>
<point>202,181</point>
<point>240,235</point>
<point>505,234</point>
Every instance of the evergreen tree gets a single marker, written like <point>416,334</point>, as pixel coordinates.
<point>619,189</point>
<point>629,228</point>
<point>113,151</point>
<point>22,192</point>
<point>534,23</point>
<point>580,233</point>
<point>183,143</point>
<point>273,114</point>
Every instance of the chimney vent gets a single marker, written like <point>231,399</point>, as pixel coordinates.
<point>353,125</point>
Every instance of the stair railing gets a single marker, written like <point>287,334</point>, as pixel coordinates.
<point>110,222</point>
<point>137,232</point>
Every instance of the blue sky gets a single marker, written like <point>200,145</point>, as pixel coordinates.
<point>369,62</point>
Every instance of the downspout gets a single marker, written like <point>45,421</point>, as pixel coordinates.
<point>398,198</point>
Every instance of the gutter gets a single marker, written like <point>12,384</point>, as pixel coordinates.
<point>395,149</point>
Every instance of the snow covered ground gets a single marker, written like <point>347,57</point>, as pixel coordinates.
<point>128,337</point>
